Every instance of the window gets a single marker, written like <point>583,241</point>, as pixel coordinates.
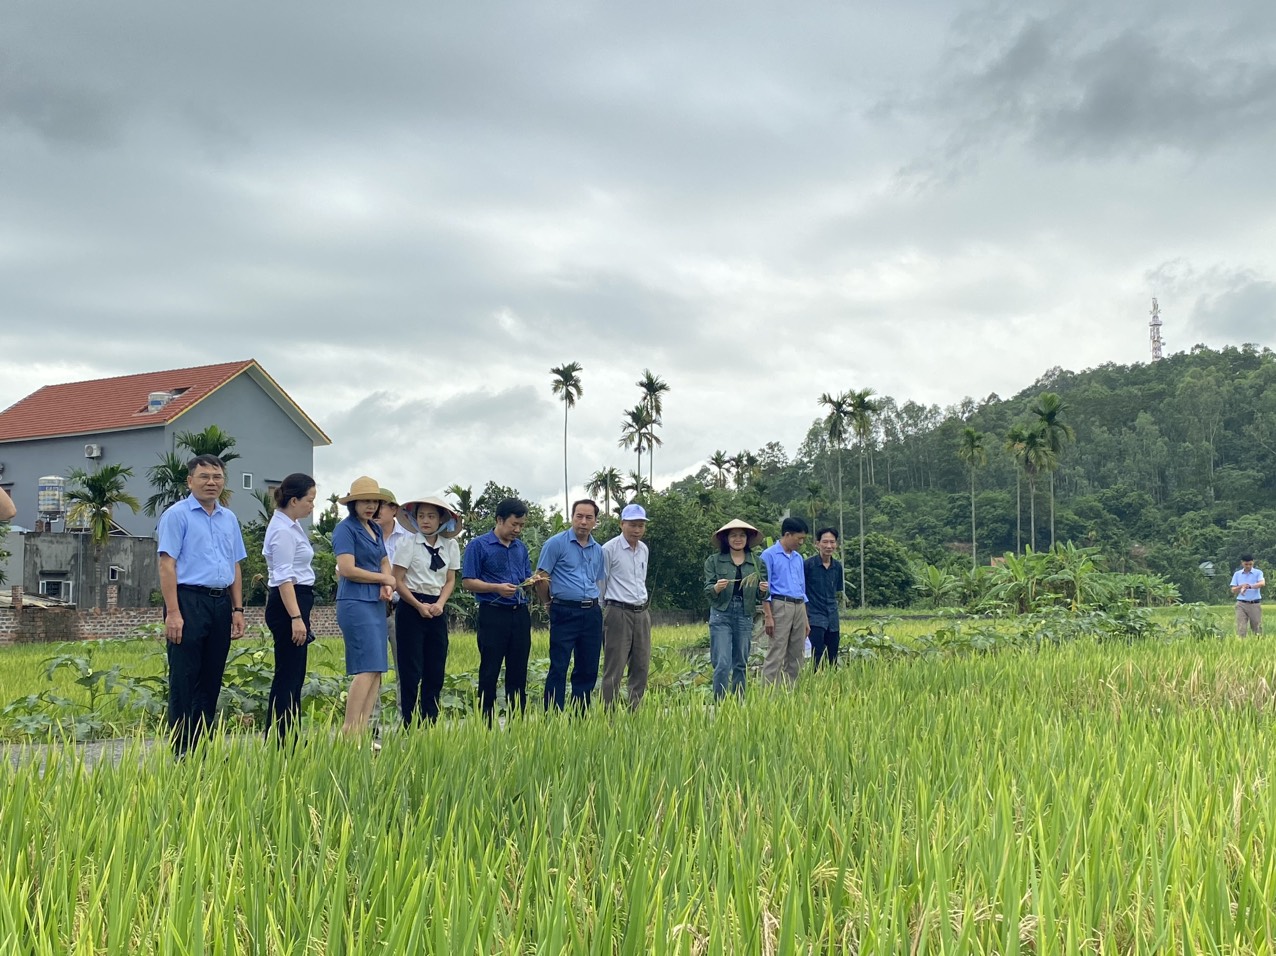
<point>248,481</point>
<point>56,588</point>
<point>115,573</point>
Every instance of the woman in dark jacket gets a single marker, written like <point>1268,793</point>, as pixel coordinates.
<point>735,580</point>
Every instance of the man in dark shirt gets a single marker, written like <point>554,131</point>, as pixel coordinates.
<point>824,582</point>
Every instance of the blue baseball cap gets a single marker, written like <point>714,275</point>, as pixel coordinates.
<point>633,513</point>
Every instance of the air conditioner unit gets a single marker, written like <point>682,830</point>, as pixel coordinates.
<point>93,451</point>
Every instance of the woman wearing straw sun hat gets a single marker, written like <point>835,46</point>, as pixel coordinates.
<point>733,579</point>
<point>425,565</point>
<point>364,582</point>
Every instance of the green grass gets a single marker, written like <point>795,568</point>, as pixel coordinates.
<point>1088,797</point>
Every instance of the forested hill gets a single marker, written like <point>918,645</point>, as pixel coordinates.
<point>1172,463</point>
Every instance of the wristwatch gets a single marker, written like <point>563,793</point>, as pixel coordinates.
<point>236,610</point>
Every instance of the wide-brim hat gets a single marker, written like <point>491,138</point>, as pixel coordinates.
<point>407,514</point>
<point>364,488</point>
<point>720,536</point>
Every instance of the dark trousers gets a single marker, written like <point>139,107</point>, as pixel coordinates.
<point>421,659</point>
<point>574,632</point>
<point>284,704</point>
<point>196,665</point>
<point>504,636</point>
<point>824,641</point>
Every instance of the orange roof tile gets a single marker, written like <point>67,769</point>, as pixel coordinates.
<point>116,404</point>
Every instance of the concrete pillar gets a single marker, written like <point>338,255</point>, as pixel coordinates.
<point>16,594</point>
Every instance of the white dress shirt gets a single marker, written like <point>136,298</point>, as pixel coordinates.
<point>626,571</point>
<point>288,551</point>
<point>413,556</point>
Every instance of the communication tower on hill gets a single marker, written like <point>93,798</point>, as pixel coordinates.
<point>1154,328</point>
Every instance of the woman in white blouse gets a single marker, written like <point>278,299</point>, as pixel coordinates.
<point>291,578</point>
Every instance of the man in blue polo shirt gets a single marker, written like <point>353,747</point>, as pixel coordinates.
<point>784,610</point>
<point>494,568</point>
<point>1246,585</point>
<point>200,547</point>
<point>574,562</point>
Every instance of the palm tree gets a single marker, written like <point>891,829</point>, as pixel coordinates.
<point>633,430</point>
<point>464,496</point>
<point>637,484</point>
<point>861,409</point>
<point>1049,411</point>
<point>566,385</point>
<point>835,424</point>
<point>94,497</point>
<point>814,500</point>
<point>720,463</point>
<point>1016,438</point>
<point>653,389</point>
<point>973,453</point>
<point>608,483</point>
<point>211,441</point>
<point>1035,458</point>
<point>740,466</point>
<point>168,478</point>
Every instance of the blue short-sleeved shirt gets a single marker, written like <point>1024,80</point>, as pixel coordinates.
<point>486,559</point>
<point>822,587</point>
<point>575,570</point>
<point>349,537</point>
<point>1251,578</point>
<point>205,546</point>
<point>785,571</point>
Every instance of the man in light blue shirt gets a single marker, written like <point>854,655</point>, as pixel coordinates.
<point>573,561</point>
<point>1246,585</point>
<point>200,547</point>
<point>784,609</point>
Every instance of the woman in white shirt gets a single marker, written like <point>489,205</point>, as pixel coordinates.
<point>425,567</point>
<point>291,577</point>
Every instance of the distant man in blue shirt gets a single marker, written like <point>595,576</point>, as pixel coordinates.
<point>573,560</point>
<point>784,610</point>
<point>494,568</point>
<point>200,547</point>
<point>1246,585</point>
<point>824,582</point>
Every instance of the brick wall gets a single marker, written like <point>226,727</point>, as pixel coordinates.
<point>33,624</point>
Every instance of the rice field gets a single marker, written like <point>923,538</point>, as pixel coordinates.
<point>1089,797</point>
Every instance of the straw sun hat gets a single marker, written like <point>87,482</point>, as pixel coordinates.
<point>364,488</point>
<point>407,515</point>
<point>754,535</point>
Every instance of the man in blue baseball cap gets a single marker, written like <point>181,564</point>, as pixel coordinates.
<point>626,620</point>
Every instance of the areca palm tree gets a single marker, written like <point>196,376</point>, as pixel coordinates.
<point>1035,458</point>
<point>211,441</point>
<point>637,484</point>
<point>94,496</point>
<point>566,385</point>
<point>1016,437</point>
<point>740,465</point>
<point>633,430</point>
<point>1057,433</point>
<point>974,454</point>
<point>608,483</point>
<point>720,463</point>
<point>862,408</point>
<point>653,391</point>
<point>814,501</point>
<point>168,478</point>
<point>836,425</point>
<point>464,496</point>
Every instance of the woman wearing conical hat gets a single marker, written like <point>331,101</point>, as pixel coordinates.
<point>734,579</point>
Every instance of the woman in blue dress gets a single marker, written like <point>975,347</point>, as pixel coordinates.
<point>364,583</point>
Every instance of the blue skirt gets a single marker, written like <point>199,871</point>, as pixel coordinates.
<point>363,626</point>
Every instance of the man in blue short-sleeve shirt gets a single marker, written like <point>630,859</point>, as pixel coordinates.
<point>573,561</point>
<point>494,569</point>
<point>200,547</point>
<point>784,610</point>
<point>1247,585</point>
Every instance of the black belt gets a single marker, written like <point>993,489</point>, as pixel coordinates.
<point>627,607</point>
<point>1259,601</point>
<point>200,589</point>
<point>428,598</point>
<point>582,604</point>
<point>501,607</point>
<point>785,597</point>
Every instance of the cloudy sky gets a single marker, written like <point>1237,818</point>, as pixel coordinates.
<point>409,212</point>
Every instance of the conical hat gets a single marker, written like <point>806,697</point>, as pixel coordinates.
<point>719,536</point>
<point>407,514</point>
